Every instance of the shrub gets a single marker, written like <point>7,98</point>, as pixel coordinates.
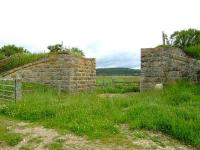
<point>73,51</point>
<point>185,38</point>
<point>55,48</point>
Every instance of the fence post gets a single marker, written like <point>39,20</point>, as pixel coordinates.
<point>18,89</point>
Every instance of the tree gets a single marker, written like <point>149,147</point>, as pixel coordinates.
<point>185,38</point>
<point>9,50</point>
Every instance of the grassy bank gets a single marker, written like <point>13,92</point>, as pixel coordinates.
<point>174,111</point>
<point>19,60</point>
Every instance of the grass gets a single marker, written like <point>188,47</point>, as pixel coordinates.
<point>193,51</point>
<point>173,111</point>
<point>7,136</point>
<point>56,145</point>
<point>19,60</point>
<point>108,84</point>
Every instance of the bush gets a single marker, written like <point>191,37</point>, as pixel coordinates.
<point>55,48</point>
<point>73,51</point>
<point>185,38</point>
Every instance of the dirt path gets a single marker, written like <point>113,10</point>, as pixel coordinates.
<point>40,138</point>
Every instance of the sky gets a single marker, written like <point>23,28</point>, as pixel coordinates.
<point>112,31</point>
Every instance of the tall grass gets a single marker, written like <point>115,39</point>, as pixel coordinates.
<point>173,111</point>
<point>193,51</point>
<point>19,60</point>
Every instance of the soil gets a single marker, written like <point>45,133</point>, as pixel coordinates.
<point>40,138</point>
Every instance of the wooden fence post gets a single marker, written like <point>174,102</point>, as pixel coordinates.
<point>18,89</point>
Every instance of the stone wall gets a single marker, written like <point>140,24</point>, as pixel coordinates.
<point>70,73</point>
<point>160,65</point>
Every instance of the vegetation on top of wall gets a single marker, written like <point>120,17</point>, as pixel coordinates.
<point>193,51</point>
<point>2,56</point>
<point>12,56</point>
<point>18,60</point>
<point>59,48</point>
<point>188,40</point>
<point>185,38</point>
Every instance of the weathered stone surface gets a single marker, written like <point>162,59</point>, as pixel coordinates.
<point>161,65</point>
<point>70,73</point>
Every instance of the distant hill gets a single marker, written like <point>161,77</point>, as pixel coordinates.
<point>117,72</point>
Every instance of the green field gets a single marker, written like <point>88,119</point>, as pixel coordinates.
<point>117,84</point>
<point>117,72</point>
<point>173,111</point>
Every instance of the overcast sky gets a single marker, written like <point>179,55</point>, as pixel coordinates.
<point>113,31</point>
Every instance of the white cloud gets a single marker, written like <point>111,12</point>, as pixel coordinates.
<point>101,28</point>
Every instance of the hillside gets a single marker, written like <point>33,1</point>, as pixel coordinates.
<point>117,71</point>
